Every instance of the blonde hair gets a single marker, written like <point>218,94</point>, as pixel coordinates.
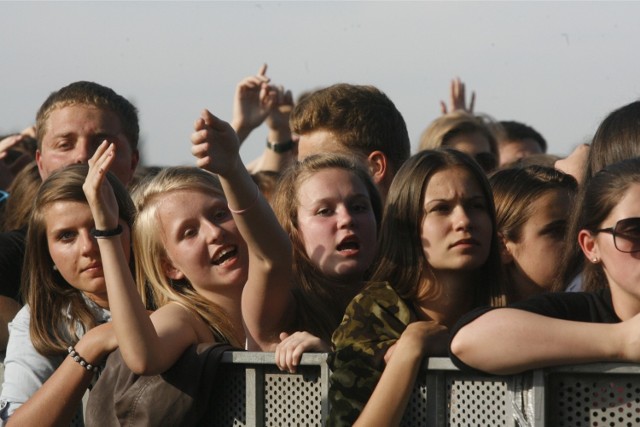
<point>154,286</point>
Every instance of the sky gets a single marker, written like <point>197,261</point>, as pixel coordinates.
<point>560,67</point>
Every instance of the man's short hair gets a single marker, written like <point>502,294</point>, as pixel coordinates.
<point>362,118</point>
<point>516,131</point>
<point>93,94</point>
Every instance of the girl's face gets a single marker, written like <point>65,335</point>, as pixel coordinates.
<point>534,260</point>
<point>74,251</point>
<point>456,227</point>
<point>202,242</point>
<point>621,269</point>
<point>337,223</point>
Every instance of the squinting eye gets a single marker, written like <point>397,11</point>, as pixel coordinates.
<point>323,212</point>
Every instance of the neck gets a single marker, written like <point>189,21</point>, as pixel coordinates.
<point>231,304</point>
<point>450,298</point>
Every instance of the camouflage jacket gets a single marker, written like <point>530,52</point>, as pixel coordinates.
<point>373,322</point>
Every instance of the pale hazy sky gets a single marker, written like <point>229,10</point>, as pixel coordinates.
<point>559,66</point>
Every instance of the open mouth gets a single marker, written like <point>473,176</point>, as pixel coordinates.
<point>225,255</point>
<point>348,245</point>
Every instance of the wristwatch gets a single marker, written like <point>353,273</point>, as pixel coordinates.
<point>280,147</point>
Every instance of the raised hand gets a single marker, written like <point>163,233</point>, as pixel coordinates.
<point>457,98</point>
<point>252,102</point>
<point>215,144</point>
<point>98,190</point>
<point>278,118</point>
<point>289,350</point>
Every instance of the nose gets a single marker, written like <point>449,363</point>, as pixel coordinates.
<point>345,218</point>
<point>82,152</point>
<point>212,232</point>
<point>89,244</point>
<point>461,219</point>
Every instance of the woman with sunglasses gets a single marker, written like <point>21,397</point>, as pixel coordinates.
<point>567,328</point>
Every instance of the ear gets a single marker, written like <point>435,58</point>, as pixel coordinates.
<point>589,246</point>
<point>171,271</point>
<point>506,249</point>
<point>135,159</point>
<point>39,163</point>
<point>378,168</point>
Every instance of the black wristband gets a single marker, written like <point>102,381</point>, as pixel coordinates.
<point>101,234</point>
<point>280,147</point>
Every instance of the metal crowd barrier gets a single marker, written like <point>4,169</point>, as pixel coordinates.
<point>253,392</point>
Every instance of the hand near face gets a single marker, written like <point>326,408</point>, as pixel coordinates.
<point>289,350</point>
<point>97,189</point>
<point>215,144</point>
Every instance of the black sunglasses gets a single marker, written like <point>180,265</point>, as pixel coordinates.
<point>626,235</point>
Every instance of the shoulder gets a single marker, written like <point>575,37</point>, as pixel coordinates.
<point>377,313</point>
<point>176,318</point>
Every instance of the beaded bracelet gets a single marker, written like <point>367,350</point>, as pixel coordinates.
<point>86,365</point>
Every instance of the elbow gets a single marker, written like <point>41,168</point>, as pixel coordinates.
<point>140,365</point>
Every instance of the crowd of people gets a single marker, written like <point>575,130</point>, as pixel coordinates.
<point>480,246</point>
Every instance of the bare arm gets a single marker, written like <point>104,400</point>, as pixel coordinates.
<point>56,402</point>
<point>507,341</point>
<point>146,348</point>
<point>267,303</point>
<point>391,395</point>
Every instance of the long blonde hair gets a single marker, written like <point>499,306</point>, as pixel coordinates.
<point>57,308</point>
<point>154,286</point>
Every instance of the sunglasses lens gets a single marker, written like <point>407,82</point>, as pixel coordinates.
<point>627,235</point>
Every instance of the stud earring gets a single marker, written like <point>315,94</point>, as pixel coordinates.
<point>595,260</point>
<point>55,267</point>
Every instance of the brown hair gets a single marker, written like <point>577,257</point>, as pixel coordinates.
<point>320,301</point>
<point>401,259</point>
<point>516,189</point>
<point>601,195</point>
<point>93,94</point>
<point>57,308</point>
<point>362,118</point>
<point>22,192</point>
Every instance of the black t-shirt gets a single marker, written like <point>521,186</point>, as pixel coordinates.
<point>12,246</point>
<point>594,307</point>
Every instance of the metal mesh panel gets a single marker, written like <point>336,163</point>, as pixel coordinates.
<point>293,399</point>
<point>230,398</point>
<point>416,413</point>
<point>479,402</point>
<point>586,400</point>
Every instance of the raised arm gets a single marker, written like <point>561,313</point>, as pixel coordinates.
<point>148,347</point>
<point>458,98</point>
<point>252,102</point>
<point>267,302</point>
<point>507,341</point>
